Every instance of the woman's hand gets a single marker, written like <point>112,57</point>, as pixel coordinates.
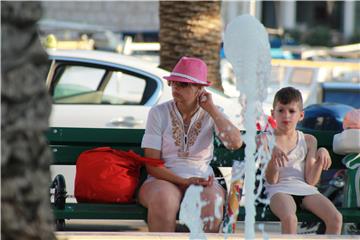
<point>205,101</point>
<point>201,181</point>
<point>197,181</point>
<point>323,158</point>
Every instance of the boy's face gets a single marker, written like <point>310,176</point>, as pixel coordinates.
<point>287,115</point>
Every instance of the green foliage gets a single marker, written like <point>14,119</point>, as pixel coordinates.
<point>318,36</point>
<point>355,38</point>
<point>294,34</point>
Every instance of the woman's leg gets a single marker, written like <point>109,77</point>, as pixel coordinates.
<point>284,207</point>
<point>322,207</point>
<point>162,199</point>
<point>212,195</point>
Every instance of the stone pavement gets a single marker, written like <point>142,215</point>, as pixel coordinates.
<point>137,230</point>
<point>179,236</point>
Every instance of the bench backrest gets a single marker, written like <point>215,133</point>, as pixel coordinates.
<point>68,143</point>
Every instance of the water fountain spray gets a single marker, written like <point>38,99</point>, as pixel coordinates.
<point>247,48</point>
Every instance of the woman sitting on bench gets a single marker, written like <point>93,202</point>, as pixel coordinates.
<point>180,132</point>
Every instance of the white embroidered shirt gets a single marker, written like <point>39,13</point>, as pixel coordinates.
<point>186,154</point>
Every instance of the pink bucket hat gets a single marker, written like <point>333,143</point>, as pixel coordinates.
<point>190,70</point>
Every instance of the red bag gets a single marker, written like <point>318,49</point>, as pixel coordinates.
<point>107,175</point>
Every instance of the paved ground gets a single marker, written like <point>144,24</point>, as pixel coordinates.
<point>179,236</point>
<point>140,226</point>
<point>137,230</point>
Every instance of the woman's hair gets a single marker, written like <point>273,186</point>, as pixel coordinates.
<point>287,95</point>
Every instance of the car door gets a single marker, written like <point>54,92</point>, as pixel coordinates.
<point>96,95</point>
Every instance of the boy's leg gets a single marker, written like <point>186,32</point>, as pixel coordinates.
<point>284,207</point>
<point>322,207</point>
<point>162,199</point>
<point>210,195</point>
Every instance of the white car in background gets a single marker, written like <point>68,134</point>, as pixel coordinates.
<point>95,89</point>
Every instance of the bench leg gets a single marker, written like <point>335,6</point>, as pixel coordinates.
<point>60,224</point>
<point>59,198</point>
<point>60,191</point>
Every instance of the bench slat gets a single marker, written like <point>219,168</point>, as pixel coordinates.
<point>95,136</point>
<point>100,211</point>
<point>67,155</point>
<point>136,211</point>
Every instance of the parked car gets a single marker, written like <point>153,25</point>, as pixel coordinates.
<point>98,89</point>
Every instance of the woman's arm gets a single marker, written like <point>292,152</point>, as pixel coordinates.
<point>165,174</point>
<point>228,133</point>
<point>313,166</point>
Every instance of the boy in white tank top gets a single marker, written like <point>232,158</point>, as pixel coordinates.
<point>295,168</point>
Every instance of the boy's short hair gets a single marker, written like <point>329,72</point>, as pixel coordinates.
<point>287,95</point>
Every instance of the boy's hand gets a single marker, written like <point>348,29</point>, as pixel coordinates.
<point>323,158</point>
<point>278,157</point>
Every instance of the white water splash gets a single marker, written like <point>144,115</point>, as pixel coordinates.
<point>247,48</point>
<point>190,212</point>
<point>262,229</point>
<point>218,206</point>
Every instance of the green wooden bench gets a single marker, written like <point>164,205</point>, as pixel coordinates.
<point>68,143</point>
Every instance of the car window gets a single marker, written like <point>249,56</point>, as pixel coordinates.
<point>95,84</point>
<point>124,88</point>
<point>76,81</point>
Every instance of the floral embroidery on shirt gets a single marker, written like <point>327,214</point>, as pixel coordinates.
<point>178,132</point>
<point>195,130</point>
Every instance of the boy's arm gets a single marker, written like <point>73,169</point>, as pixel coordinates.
<point>272,173</point>
<point>313,166</point>
<point>324,155</point>
<point>278,159</point>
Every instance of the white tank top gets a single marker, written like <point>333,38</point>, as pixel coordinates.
<point>292,175</point>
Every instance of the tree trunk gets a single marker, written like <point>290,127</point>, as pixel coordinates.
<point>193,29</point>
<point>25,109</point>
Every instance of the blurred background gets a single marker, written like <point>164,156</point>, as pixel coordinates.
<point>312,43</point>
<point>110,56</point>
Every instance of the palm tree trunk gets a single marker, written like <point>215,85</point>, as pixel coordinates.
<point>191,28</point>
<point>25,109</point>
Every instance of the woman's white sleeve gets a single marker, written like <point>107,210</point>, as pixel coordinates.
<point>152,137</point>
